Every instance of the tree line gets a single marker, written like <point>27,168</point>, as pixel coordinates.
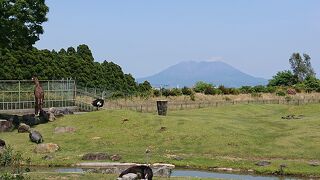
<point>72,63</point>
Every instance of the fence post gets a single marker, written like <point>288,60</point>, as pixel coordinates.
<point>48,94</point>
<point>19,95</point>
<point>74,91</point>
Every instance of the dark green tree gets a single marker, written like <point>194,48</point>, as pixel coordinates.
<point>21,22</point>
<point>301,67</point>
<point>283,78</point>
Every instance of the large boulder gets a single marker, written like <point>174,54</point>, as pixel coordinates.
<point>43,116</point>
<point>23,128</point>
<point>95,156</point>
<point>12,118</point>
<point>46,148</point>
<point>64,129</point>
<point>30,119</point>
<point>35,137</point>
<point>6,126</point>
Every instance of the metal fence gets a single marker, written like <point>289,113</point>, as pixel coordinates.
<point>19,94</point>
<point>173,106</point>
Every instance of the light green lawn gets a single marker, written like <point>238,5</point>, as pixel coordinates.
<point>234,136</point>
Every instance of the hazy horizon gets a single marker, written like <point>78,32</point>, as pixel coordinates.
<point>146,37</point>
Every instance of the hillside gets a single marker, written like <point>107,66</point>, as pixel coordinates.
<point>188,73</point>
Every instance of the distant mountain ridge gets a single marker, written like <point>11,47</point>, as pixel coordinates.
<point>189,72</point>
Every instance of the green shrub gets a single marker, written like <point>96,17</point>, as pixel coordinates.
<point>186,91</point>
<point>256,95</point>
<point>192,97</point>
<point>165,92</point>
<point>201,86</point>
<point>13,160</point>
<point>246,89</point>
<point>156,93</point>
<point>280,93</point>
<point>271,89</point>
<point>259,89</point>
<point>288,98</point>
<point>209,91</point>
<point>175,92</point>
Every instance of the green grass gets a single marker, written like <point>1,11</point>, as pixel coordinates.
<point>230,136</point>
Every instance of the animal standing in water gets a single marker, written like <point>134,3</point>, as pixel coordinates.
<point>38,95</point>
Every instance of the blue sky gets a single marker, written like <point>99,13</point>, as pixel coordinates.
<point>146,36</point>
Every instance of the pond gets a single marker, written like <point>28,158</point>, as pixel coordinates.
<point>196,173</point>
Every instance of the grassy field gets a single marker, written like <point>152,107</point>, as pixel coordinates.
<point>234,136</point>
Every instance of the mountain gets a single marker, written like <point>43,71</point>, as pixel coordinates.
<point>190,72</point>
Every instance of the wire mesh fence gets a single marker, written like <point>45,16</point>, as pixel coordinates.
<point>19,94</point>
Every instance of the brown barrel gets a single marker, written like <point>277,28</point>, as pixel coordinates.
<point>162,107</point>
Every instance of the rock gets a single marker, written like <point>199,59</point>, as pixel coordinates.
<point>46,148</point>
<point>52,110</point>
<point>2,143</point>
<point>163,128</point>
<point>35,137</point>
<point>47,157</point>
<point>64,129</point>
<point>6,126</point>
<point>95,156</point>
<point>115,157</point>
<point>67,111</point>
<point>129,176</point>
<point>263,163</point>
<point>23,128</point>
<point>174,157</point>
<point>51,117</point>
<point>30,119</point>
<point>314,163</point>
<point>43,116</point>
<point>12,118</point>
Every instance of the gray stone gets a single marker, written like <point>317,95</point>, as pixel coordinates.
<point>52,117</point>
<point>314,163</point>
<point>23,128</point>
<point>263,163</point>
<point>46,148</point>
<point>95,156</point>
<point>64,129</point>
<point>47,157</point>
<point>6,126</point>
<point>35,137</point>
<point>115,157</point>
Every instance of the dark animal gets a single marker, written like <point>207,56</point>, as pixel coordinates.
<point>143,172</point>
<point>38,95</point>
<point>98,103</point>
<point>2,143</point>
<point>36,137</point>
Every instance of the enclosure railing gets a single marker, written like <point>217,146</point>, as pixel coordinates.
<point>19,94</point>
<point>174,105</point>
